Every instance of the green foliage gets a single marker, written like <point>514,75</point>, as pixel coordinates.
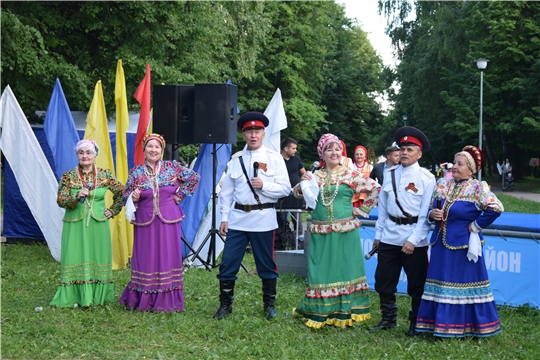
<point>111,332</point>
<point>184,42</point>
<point>327,71</point>
<point>440,81</point>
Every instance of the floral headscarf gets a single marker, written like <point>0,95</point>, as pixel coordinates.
<point>157,137</point>
<point>324,141</point>
<point>87,143</point>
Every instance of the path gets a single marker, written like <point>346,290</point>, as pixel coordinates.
<point>517,194</point>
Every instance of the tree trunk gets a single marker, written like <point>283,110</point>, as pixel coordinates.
<point>491,156</point>
<point>517,164</point>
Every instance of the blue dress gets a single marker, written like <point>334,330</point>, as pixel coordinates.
<point>458,300</point>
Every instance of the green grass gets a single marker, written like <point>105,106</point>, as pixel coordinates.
<point>30,276</point>
<point>513,204</point>
<point>529,184</point>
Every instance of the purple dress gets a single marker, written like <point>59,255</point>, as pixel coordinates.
<point>156,266</point>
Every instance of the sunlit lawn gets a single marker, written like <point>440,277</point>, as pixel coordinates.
<point>30,276</point>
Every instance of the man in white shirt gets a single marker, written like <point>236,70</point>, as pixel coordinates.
<point>402,228</point>
<point>248,197</point>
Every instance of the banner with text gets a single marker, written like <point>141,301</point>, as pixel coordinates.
<point>513,266</point>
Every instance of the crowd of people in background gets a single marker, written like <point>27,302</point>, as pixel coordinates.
<point>258,185</point>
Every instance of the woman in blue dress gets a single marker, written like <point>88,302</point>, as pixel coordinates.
<point>458,300</point>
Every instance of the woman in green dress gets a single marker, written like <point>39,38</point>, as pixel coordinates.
<point>337,291</point>
<point>86,257</point>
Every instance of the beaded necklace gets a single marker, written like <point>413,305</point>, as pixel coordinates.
<point>154,183</point>
<point>84,185</point>
<point>451,196</point>
<point>360,168</point>
<point>83,181</point>
<point>327,198</point>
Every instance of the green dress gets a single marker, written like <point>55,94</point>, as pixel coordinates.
<point>337,292</point>
<point>86,257</point>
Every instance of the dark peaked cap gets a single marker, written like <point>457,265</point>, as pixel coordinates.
<point>408,135</point>
<point>252,120</point>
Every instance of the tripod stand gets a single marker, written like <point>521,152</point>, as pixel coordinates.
<point>210,262</point>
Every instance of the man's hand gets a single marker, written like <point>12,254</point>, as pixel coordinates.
<point>408,248</point>
<point>224,228</point>
<point>257,183</point>
<point>376,244</point>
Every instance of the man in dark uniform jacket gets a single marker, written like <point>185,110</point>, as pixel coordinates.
<point>392,158</point>
<point>402,228</point>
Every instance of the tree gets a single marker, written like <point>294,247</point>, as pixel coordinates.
<point>326,69</point>
<point>80,42</point>
<point>322,62</point>
<point>440,82</point>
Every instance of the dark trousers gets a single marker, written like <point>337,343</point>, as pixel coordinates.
<point>262,244</point>
<point>390,261</point>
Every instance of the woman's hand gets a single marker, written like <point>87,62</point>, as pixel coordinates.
<point>436,214</point>
<point>307,176</point>
<point>108,213</point>
<point>83,193</point>
<point>136,194</point>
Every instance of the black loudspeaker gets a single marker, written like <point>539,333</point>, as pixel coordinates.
<point>215,113</point>
<point>174,117</point>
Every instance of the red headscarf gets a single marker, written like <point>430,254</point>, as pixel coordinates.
<point>344,152</point>
<point>362,148</point>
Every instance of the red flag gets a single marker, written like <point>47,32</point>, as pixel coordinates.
<point>143,97</point>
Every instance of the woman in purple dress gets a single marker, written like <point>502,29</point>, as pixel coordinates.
<point>156,266</point>
<point>458,300</point>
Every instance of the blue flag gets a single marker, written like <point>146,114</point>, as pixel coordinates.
<point>195,206</point>
<point>60,132</point>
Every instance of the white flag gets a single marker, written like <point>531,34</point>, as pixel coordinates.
<point>32,171</point>
<point>278,121</point>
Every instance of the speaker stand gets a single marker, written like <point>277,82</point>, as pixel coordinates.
<point>192,251</point>
<point>210,262</point>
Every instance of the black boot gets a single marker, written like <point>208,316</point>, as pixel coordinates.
<point>412,329</point>
<point>389,315</point>
<point>226,298</point>
<point>413,313</point>
<point>269,297</point>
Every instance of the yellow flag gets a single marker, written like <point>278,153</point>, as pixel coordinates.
<point>121,229</point>
<point>151,122</point>
<point>97,129</point>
